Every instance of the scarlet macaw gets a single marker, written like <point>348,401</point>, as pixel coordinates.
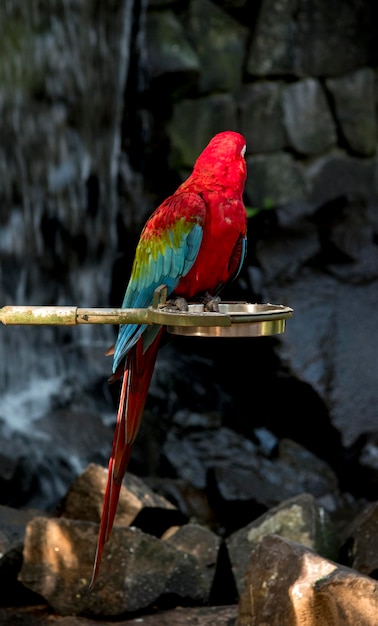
<point>194,243</point>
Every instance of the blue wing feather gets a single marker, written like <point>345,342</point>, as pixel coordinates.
<point>242,256</point>
<point>166,266</point>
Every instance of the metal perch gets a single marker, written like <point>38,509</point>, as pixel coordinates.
<point>235,319</point>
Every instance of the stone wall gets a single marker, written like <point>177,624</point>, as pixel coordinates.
<point>297,78</point>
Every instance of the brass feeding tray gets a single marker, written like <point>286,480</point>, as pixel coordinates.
<point>236,319</point>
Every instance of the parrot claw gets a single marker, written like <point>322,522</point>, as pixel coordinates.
<point>177,304</point>
<point>211,303</point>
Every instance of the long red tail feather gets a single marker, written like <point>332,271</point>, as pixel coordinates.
<point>139,367</point>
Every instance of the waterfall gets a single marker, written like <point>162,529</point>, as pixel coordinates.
<point>64,70</point>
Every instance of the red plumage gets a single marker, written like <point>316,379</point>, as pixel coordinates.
<point>195,243</point>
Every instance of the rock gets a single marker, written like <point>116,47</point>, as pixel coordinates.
<point>360,545</point>
<point>317,477</point>
<point>328,51</point>
<point>201,543</point>
<point>170,56</point>
<point>324,336</point>
<point>190,616</point>
<point>368,458</point>
<point>219,42</point>
<point>191,501</point>
<point>194,122</point>
<point>308,120</point>
<point>346,230</point>
<point>180,616</point>
<point>354,99</point>
<point>191,421</point>
<point>297,38</point>
<point>85,497</point>
<point>287,583</point>
<point>261,120</point>
<point>200,449</point>
<point>41,458</point>
<point>349,598</point>
<point>299,519</point>
<point>274,47</point>
<point>274,180</point>
<point>136,569</point>
<point>233,470</point>
<point>13,523</point>
<point>268,481</point>
<point>338,175</point>
<point>277,258</point>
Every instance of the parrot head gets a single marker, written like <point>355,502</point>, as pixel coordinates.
<point>223,158</point>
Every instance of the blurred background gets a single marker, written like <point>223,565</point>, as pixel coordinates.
<point>104,108</point>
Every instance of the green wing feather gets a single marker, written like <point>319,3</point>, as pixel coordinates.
<point>166,251</point>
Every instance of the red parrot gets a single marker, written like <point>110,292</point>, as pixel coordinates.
<point>194,243</point>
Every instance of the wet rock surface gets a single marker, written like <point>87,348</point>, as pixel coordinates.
<point>299,519</point>
<point>204,616</point>
<point>58,559</point>
<point>287,583</point>
<point>84,499</point>
<point>190,565</point>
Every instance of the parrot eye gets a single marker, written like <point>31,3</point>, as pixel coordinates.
<point>242,152</point>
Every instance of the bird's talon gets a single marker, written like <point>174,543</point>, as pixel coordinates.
<point>177,304</point>
<point>211,304</point>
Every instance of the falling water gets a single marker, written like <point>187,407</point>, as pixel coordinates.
<point>63,73</point>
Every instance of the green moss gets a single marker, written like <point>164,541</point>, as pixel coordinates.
<point>18,70</point>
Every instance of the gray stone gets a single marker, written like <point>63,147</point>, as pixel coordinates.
<point>335,37</point>
<point>220,43</point>
<point>201,543</point>
<point>299,519</point>
<point>354,98</point>
<point>85,497</point>
<point>191,501</point>
<point>360,544</point>
<point>347,597</point>
<point>285,255</point>
<point>274,47</point>
<point>261,121</point>
<point>330,343</point>
<point>41,458</point>
<point>170,55</point>
<point>348,230</point>
<point>308,120</point>
<point>180,616</point>
<point>13,524</point>
<point>296,37</point>
<point>136,569</point>
<point>188,420</point>
<point>193,453</point>
<point>189,616</point>
<point>338,175</point>
<point>242,473</point>
<point>193,124</point>
<point>287,583</point>
<point>274,180</point>
<point>267,481</point>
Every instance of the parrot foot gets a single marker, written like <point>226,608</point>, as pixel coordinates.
<point>211,303</point>
<point>177,304</point>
